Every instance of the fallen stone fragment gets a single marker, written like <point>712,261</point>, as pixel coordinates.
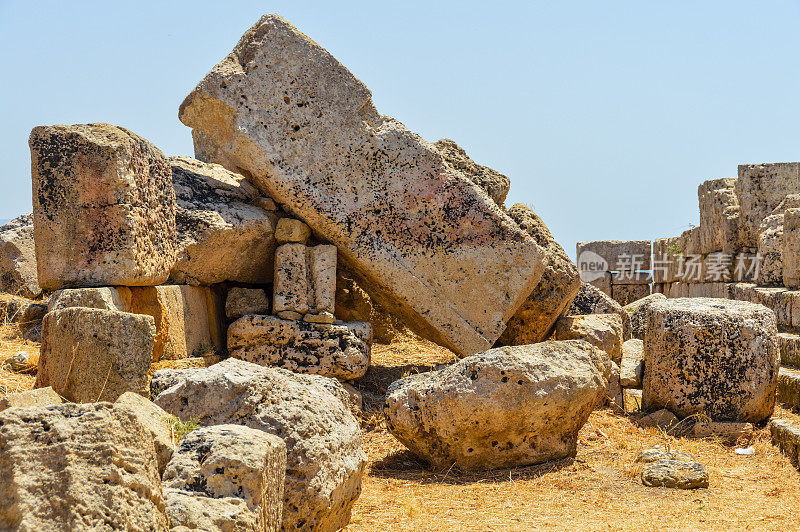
<point>638,313</point>
<point>224,231</point>
<point>155,421</point>
<point>36,397</point>
<point>18,258</point>
<point>91,355</point>
<point>495,184</point>
<point>243,301</point>
<point>337,351</point>
<point>661,419</point>
<point>221,463</point>
<point>103,205</point>
<point>507,407</point>
<point>591,300</point>
<point>715,356</point>
<point>728,430</point>
<point>560,282</point>
<point>320,492</point>
<point>427,242</point>
<point>290,230</point>
<point>677,474</point>
<point>78,467</point>
<point>631,370</point>
<point>601,330</point>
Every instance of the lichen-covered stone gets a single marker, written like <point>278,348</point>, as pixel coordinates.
<point>760,188</point>
<point>91,355</point>
<point>590,300</point>
<point>493,182</point>
<point>790,252</point>
<point>625,294</point>
<point>227,462</point>
<point>718,202</point>
<point>103,205</point>
<point>671,470</point>
<point>224,231</point>
<point>715,356</point>
<point>167,378</point>
<point>290,291</point>
<point>324,461</point>
<point>18,258</point>
<point>337,351</point>
<point>426,241</point>
<point>243,301</point>
<point>78,467</point>
<point>638,313</point>
<point>560,282</point>
<point>506,407</point>
<point>603,331</point>
<point>770,250</point>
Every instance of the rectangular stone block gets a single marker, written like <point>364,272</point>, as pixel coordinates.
<point>786,436</point>
<point>718,203</point>
<point>790,349</point>
<point>629,277</point>
<point>617,254</point>
<point>689,242</point>
<point>791,248</point>
<point>103,207</point>
<point>713,290</point>
<point>290,290</point>
<point>602,282</point>
<point>666,252</point>
<point>321,296</point>
<point>625,294</point>
<point>760,189</point>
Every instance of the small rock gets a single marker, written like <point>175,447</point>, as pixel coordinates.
<point>632,400</point>
<point>727,430</point>
<point>601,330</point>
<point>662,419</point>
<point>167,378</point>
<point>676,474</point>
<point>19,361</point>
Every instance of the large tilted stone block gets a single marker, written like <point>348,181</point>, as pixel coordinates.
<point>559,285</point>
<point>324,460</point>
<point>103,205</point>
<point>590,300</point>
<point>603,331</point>
<point>155,421</point>
<point>506,407</point>
<point>91,355</point>
<point>718,204</point>
<point>638,313</point>
<point>78,467</point>
<point>18,258</point>
<point>336,351</point>
<point>427,242</point>
<point>231,466</point>
<point>225,233</point>
<point>715,356</point>
<point>791,248</point>
<point>760,189</point>
<point>493,182</point>
<point>632,255</point>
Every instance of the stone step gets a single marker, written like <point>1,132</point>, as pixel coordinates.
<point>790,349</point>
<point>786,436</point>
<point>789,386</point>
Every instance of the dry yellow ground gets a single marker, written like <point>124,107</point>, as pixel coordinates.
<point>599,490</point>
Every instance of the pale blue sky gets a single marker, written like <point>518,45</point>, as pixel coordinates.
<point>606,115</point>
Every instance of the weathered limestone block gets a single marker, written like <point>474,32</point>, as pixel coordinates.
<point>714,356</point>
<point>790,252</point>
<point>760,189</point>
<point>290,230</point>
<point>603,331</point>
<point>714,197</point>
<point>614,390</point>
<point>728,430</point>
<point>243,301</point>
<point>789,345</point>
<point>789,387</point>
<point>671,470</point>
<point>18,258</point>
<point>336,351</point>
<point>427,243</point>
<point>37,397</point>
<point>714,290</point>
<point>638,313</point>
<point>324,460</point>
<point>629,255</point>
<point>494,183</point>
<point>224,231</point>
<point>91,355</point>
<point>167,378</point>
<point>590,300</point>
<point>322,268</point>
<point>666,252</point>
<point>227,462</point>
<point>786,436</point>
<point>155,421</point>
<point>78,467</point>
<point>662,419</point>
<point>631,277</point>
<point>103,205</point>
<point>600,281</point>
<point>106,298</point>
<point>689,242</point>
<point>625,294</point>
<point>560,282</point>
<point>770,249</point>
<point>631,369</point>
<point>352,303</point>
<point>290,291</point>
<point>506,407</point>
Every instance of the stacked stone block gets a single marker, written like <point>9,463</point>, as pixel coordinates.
<point>618,268</point>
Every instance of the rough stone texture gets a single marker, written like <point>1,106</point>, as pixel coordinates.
<point>224,231</point>
<point>760,189</point>
<point>103,205</point>
<point>631,370</point>
<point>601,330</point>
<point>632,400</point>
<point>322,271</point>
<point>425,241</point>
<point>671,470</point>
<point>638,313</point>
<point>37,397</point>
<point>91,355</point>
<point>243,301</point>
<point>227,462</point>
<point>665,259</point>
<point>790,252</point>
<point>495,184</point>
<point>619,254</point>
<point>78,467</point>
<point>603,282</point>
<point>290,230</point>
<point>336,351</point>
<point>18,258</point>
<point>789,386</point>
<point>107,298</point>
<point>689,242</point>
<point>614,390</point>
<point>786,436</point>
<point>625,294</point>
<point>714,356</point>
<point>718,203</point>
<point>167,378</point>
<point>730,431</point>
<point>506,407</point>
<point>155,421</point>
<point>789,345</point>
<point>590,300</point>
<point>352,303</point>
<point>662,419</point>
<point>631,277</point>
<point>291,288</point>
<point>560,282</point>
<point>770,248</point>
<point>324,461</point>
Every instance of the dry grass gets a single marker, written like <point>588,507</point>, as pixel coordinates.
<point>11,344</point>
<point>599,490</point>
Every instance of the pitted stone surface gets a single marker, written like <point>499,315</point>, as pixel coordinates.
<point>290,291</point>
<point>631,370</point>
<point>106,298</point>
<point>18,258</point>
<point>715,356</point>
<point>155,421</point>
<point>591,300</point>
<point>790,252</point>
<point>427,242</point>
<point>638,313</point>
<point>322,270</point>
<point>337,351</point>
<point>770,249</point>
<point>631,255</point>
<point>603,331</point>
<point>718,204</point>
<point>103,205</point>
<point>506,407</point>
<point>625,294</point>
<point>290,230</point>
<point>224,233</point>
<point>495,184</point>
<point>324,461</point>
<point>760,189</point>
<point>243,301</point>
